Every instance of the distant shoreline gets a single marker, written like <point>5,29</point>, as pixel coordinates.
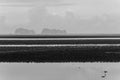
<point>63,36</point>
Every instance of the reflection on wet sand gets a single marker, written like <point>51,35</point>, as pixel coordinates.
<point>60,71</point>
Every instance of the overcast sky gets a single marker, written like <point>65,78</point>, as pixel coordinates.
<point>17,11</point>
<point>89,7</point>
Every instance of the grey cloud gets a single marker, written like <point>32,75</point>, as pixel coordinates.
<point>32,3</point>
<point>29,0</point>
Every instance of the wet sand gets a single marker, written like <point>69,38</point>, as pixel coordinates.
<point>59,71</point>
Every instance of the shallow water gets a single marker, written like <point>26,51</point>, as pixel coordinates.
<point>59,71</point>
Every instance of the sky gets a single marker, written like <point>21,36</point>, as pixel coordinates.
<point>81,7</point>
<point>93,6</point>
<point>17,13</point>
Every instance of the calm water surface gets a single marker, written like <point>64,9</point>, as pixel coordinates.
<point>59,71</point>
